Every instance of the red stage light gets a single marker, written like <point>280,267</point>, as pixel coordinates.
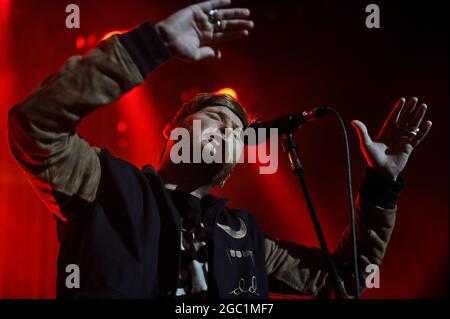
<point>228,91</point>
<point>91,40</point>
<point>80,42</point>
<point>122,126</point>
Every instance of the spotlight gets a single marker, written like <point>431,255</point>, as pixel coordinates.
<point>228,91</point>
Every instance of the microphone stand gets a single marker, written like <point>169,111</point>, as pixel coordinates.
<point>290,147</point>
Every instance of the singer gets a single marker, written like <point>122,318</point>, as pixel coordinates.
<point>148,233</point>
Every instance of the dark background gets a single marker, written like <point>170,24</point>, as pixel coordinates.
<point>300,55</point>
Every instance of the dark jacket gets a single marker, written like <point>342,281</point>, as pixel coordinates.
<point>127,242</point>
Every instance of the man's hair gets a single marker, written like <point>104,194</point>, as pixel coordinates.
<point>203,100</point>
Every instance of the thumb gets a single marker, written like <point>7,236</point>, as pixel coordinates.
<point>363,135</point>
<point>208,52</point>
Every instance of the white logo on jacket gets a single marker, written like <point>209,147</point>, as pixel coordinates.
<point>236,234</point>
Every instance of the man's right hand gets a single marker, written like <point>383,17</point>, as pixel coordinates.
<point>191,34</point>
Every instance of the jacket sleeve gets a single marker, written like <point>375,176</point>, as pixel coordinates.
<point>42,129</point>
<point>297,269</point>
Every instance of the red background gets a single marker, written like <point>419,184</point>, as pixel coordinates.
<point>300,55</point>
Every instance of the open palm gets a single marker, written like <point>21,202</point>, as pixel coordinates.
<point>191,35</point>
<point>390,151</point>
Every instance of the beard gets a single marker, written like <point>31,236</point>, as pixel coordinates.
<point>218,170</point>
<point>226,170</point>
<point>199,170</point>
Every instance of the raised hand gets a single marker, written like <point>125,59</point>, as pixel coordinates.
<point>401,133</point>
<point>193,32</point>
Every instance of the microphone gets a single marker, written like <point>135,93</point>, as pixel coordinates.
<point>288,123</point>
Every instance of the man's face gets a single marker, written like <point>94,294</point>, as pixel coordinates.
<point>220,130</point>
<point>213,129</point>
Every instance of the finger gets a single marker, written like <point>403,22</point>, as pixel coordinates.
<point>232,13</point>
<point>361,129</point>
<point>422,134</point>
<point>230,35</point>
<point>418,117</point>
<point>228,25</point>
<point>213,4</point>
<point>395,113</point>
<point>405,115</point>
<point>205,52</point>
<point>208,52</point>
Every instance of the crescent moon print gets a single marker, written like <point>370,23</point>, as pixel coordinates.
<point>236,234</point>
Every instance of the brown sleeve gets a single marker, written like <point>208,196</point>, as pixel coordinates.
<point>41,129</point>
<point>303,269</point>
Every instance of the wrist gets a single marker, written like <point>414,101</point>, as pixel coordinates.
<point>385,173</point>
<point>146,47</point>
<point>379,189</point>
<point>160,29</point>
<point>163,31</point>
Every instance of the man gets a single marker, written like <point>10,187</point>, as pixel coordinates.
<point>158,233</point>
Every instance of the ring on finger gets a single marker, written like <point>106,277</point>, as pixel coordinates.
<point>413,131</point>
<point>212,15</point>
<point>218,25</point>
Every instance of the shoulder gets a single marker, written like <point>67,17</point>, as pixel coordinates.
<point>239,213</point>
<point>121,178</point>
<point>109,161</point>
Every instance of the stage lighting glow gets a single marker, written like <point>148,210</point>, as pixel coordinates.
<point>228,91</point>
<point>122,126</point>
<point>110,34</point>
<point>80,42</point>
<point>91,40</point>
